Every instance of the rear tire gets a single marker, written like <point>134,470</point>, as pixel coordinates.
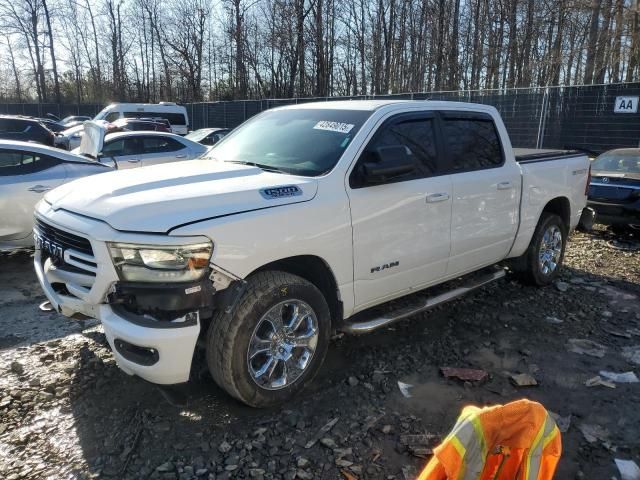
<point>542,261</point>
<point>273,343</point>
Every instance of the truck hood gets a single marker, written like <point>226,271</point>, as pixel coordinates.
<point>159,198</point>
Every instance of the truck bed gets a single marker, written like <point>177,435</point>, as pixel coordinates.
<point>531,155</point>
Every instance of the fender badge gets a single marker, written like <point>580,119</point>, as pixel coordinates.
<point>280,192</point>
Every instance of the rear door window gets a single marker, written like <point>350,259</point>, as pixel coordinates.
<point>15,162</point>
<point>160,144</point>
<point>13,125</point>
<point>471,141</point>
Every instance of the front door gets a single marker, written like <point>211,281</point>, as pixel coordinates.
<point>125,152</point>
<point>486,191</point>
<point>400,225</point>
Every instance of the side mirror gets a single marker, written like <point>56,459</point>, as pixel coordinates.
<point>387,163</point>
<point>108,161</point>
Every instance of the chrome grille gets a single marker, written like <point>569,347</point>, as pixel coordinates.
<point>64,239</point>
<point>67,259</point>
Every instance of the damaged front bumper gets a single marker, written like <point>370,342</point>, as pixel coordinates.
<point>159,351</point>
<point>151,328</point>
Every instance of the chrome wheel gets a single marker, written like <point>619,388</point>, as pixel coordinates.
<point>282,344</point>
<point>550,250</point>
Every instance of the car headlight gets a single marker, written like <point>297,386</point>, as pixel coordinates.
<point>159,263</point>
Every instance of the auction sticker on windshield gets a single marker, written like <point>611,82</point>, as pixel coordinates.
<point>334,126</point>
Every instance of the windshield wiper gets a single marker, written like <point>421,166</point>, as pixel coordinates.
<point>262,166</point>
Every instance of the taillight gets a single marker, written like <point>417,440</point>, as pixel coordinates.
<point>586,187</point>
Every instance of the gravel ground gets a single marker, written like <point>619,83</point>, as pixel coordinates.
<point>67,411</point>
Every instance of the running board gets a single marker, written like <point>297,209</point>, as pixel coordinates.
<point>424,303</point>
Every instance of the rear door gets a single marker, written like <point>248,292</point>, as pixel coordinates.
<point>486,191</point>
<point>400,227</point>
<point>24,179</point>
<point>158,149</point>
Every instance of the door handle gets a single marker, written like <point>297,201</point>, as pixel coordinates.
<point>505,185</point>
<point>181,156</point>
<point>133,160</point>
<point>437,197</point>
<point>39,188</point>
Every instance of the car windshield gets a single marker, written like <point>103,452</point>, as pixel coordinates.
<point>307,142</point>
<point>621,162</point>
<point>198,135</point>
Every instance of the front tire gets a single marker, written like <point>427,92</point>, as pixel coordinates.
<point>273,343</point>
<point>541,263</point>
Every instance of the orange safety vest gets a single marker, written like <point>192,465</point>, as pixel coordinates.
<point>516,441</point>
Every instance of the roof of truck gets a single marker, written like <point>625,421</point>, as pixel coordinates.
<point>372,105</point>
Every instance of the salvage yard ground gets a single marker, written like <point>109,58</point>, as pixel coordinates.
<point>66,410</point>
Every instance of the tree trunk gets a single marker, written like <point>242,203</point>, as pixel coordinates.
<point>15,71</point>
<point>56,80</point>
<point>602,59</point>
<point>617,42</point>
<point>592,44</point>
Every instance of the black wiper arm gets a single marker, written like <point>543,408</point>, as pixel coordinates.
<point>262,166</point>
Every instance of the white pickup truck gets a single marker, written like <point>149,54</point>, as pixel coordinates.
<point>303,221</point>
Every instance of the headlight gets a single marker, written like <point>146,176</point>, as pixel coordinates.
<point>159,263</point>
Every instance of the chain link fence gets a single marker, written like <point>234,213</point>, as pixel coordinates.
<point>550,117</point>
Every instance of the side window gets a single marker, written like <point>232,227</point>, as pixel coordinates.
<point>113,149</point>
<point>132,146</point>
<point>471,143</point>
<point>112,117</point>
<point>412,139</point>
<point>22,163</point>
<point>160,144</point>
<point>175,118</point>
<point>135,114</point>
<point>13,125</point>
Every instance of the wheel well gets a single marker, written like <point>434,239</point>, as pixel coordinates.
<point>561,207</point>
<point>314,270</point>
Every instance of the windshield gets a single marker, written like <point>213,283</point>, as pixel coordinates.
<point>621,162</point>
<point>103,112</point>
<point>198,135</point>
<point>306,142</point>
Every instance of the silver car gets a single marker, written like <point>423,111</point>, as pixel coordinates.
<point>139,149</point>
<point>27,171</point>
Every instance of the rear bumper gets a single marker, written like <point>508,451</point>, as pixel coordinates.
<point>616,214</point>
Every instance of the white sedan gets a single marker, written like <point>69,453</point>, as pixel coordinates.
<point>139,149</point>
<point>27,171</point>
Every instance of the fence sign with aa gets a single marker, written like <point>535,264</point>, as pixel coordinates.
<point>626,105</point>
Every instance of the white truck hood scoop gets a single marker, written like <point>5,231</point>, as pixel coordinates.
<point>162,197</point>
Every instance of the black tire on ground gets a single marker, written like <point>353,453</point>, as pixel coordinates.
<point>527,267</point>
<point>229,336</point>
